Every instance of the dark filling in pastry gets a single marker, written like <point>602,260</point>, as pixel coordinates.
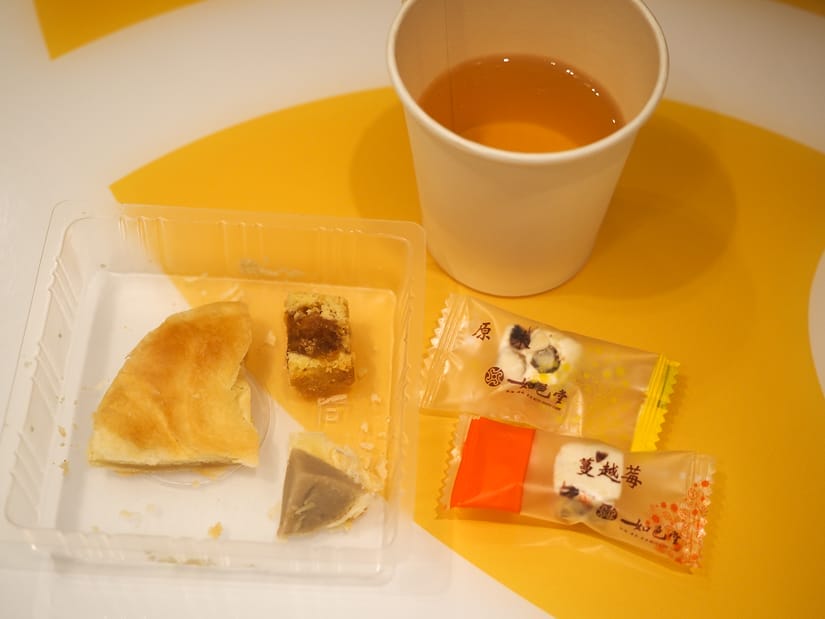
<point>316,494</point>
<point>309,333</point>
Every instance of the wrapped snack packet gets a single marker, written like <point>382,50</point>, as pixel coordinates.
<point>655,501</point>
<point>490,362</point>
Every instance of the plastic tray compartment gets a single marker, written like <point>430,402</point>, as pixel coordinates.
<point>108,281</point>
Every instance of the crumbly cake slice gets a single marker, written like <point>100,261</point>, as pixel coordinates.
<point>319,353</point>
<point>181,397</point>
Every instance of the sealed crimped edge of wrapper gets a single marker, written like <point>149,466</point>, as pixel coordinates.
<point>655,501</point>
<point>484,360</point>
<point>654,408</point>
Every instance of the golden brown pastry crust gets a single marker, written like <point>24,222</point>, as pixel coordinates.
<point>181,397</point>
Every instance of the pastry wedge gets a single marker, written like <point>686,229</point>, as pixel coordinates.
<point>322,487</point>
<point>181,398</point>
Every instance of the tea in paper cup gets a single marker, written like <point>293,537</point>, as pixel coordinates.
<point>520,116</point>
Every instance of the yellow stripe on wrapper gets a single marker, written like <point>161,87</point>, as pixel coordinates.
<point>654,409</point>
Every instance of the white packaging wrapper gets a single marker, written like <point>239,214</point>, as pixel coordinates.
<point>487,361</point>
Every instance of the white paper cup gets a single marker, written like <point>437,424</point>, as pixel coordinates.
<point>508,223</point>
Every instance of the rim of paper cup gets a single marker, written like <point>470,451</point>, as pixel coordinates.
<point>628,129</point>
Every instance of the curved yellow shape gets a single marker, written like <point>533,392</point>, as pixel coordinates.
<point>69,25</point>
<point>812,6</point>
<point>706,255</point>
<point>345,156</point>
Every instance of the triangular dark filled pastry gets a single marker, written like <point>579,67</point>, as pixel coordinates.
<point>317,496</point>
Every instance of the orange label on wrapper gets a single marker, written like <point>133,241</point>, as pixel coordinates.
<point>491,474</point>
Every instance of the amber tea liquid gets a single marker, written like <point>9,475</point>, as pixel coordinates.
<point>522,103</point>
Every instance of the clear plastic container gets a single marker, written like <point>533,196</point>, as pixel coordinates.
<point>107,280</point>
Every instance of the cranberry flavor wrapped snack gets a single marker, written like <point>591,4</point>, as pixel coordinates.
<point>489,362</point>
<point>655,501</point>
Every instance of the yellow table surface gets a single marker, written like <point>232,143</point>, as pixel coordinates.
<point>707,254</point>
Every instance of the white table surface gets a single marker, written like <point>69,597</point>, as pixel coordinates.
<point>71,127</point>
